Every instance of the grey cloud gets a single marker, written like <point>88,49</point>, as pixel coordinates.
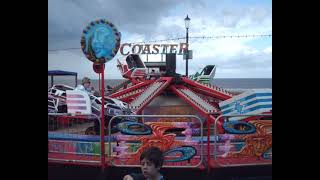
<point>67,19</point>
<point>227,14</point>
<point>171,31</point>
<point>255,14</point>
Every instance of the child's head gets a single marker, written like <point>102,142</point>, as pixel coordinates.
<point>151,161</point>
<point>86,82</point>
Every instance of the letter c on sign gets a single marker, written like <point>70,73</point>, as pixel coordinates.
<point>121,49</point>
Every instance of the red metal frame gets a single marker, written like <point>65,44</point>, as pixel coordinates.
<point>129,89</point>
<point>129,98</point>
<point>208,141</point>
<point>103,157</point>
<point>215,94</point>
<point>174,88</point>
<point>203,92</point>
<point>168,81</point>
<point>196,87</point>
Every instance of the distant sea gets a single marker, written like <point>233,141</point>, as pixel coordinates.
<point>227,83</point>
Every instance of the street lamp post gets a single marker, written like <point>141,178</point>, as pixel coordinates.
<point>187,22</point>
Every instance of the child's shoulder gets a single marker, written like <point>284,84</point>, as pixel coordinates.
<point>137,176</point>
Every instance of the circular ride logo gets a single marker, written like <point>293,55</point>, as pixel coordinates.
<point>100,41</point>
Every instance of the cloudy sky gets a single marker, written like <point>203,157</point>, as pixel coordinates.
<point>146,20</point>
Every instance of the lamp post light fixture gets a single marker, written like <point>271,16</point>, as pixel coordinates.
<point>187,23</point>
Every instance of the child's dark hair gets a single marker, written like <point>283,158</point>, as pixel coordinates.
<point>154,155</point>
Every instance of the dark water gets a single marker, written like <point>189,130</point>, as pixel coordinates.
<point>245,83</point>
<point>228,83</point>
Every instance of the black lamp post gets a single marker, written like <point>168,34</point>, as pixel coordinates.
<point>187,22</point>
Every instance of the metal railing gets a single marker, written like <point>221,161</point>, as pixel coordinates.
<point>158,116</point>
<point>69,115</point>
<point>110,159</point>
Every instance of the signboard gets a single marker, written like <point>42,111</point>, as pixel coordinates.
<point>129,48</point>
<point>253,101</point>
<point>100,41</point>
<point>190,55</point>
<point>78,102</point>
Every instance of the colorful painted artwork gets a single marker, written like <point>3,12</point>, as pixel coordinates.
<point>253,101</point>
<point>74,147</point>
<point>184,153</point>
<point>100,41</point>
<point>256,144</point>
<point>181,148</point>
